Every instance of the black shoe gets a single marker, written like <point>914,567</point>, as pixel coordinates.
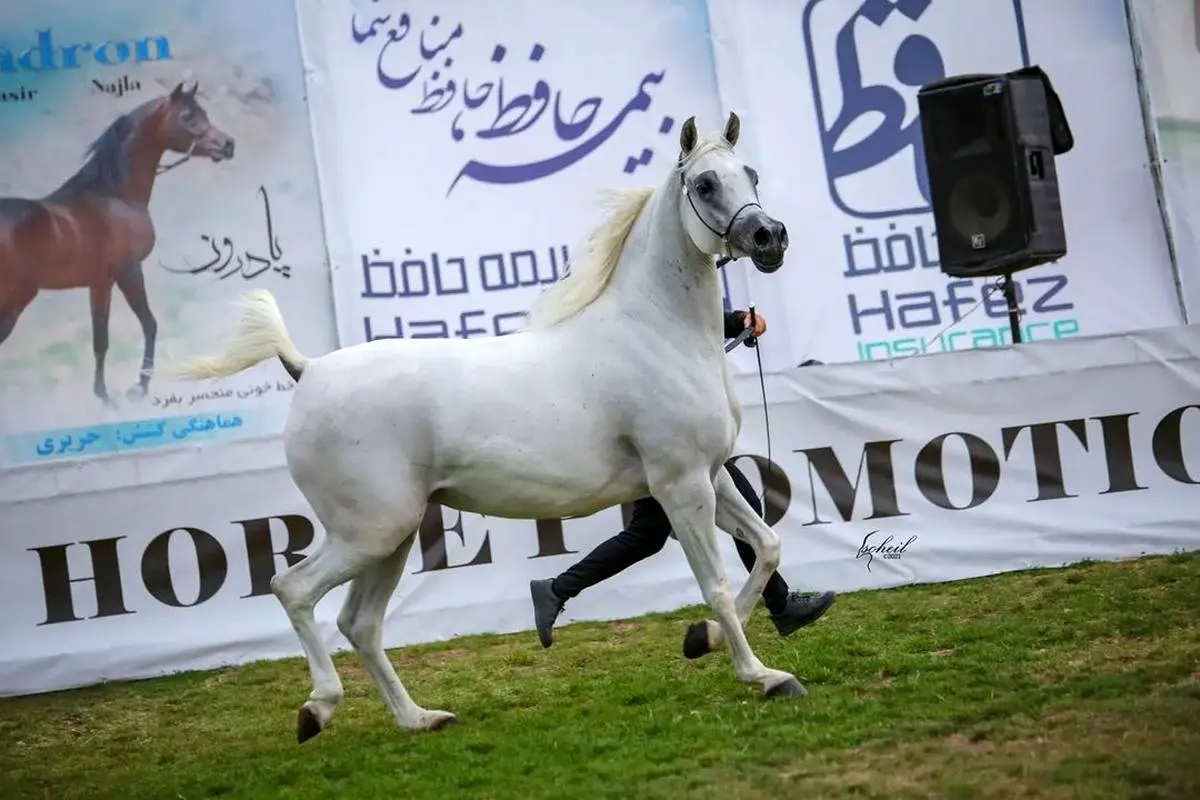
<point>546,608</point>
<point>802,609</point>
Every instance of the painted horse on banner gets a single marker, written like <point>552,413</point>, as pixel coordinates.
<point>617,389</point>
<point>95,229</point>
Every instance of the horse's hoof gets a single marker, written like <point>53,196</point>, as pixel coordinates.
<point>136,393</point>
<point>789,688</point>
<point>440,720</point>
<point>695,641</point>
<point>307,725</point>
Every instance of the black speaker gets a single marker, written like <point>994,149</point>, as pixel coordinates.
<point>990,143</point>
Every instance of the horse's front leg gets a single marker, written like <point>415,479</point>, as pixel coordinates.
<point>736,517</point>
<point>12,303</point>
<point>101,298</point>
<point>690,504</point>
<point>133,286</point>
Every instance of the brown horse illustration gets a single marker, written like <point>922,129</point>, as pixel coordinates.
<point>95,229</point>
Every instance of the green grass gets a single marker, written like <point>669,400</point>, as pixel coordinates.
<point>1082,682</point>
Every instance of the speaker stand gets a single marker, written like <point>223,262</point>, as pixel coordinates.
<point>1014,312</point>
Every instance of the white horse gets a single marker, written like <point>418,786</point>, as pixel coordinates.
<point>618,388</point>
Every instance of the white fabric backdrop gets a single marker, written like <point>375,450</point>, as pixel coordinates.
<point>179,543</point>
<point>475,579</point>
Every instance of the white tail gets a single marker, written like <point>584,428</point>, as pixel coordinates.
<point>262,334</point>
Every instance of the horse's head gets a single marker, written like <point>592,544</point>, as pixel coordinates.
<point>186,128</point>
<point>722,215</point>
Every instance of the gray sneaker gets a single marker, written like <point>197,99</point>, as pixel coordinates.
<point>802,609</point>
<point>546,608</point>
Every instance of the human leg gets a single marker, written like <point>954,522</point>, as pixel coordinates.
<point>789,611</point>
<point>644,536</point>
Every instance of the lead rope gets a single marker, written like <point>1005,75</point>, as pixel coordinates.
<point>747,336</point>
<point>186,156</point>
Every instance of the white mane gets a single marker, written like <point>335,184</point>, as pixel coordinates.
<point>592,269</point>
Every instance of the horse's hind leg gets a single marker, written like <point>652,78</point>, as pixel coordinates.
<point>361,622</point>
<point>299,588</point>
<point>132,284</point>
<point>101,298</point>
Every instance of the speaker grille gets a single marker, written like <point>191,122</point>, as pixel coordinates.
<point>982,207</point>
<point>974,178</point>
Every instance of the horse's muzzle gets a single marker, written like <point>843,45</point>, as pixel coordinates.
<point>218,147</point>
<point>762,238</point>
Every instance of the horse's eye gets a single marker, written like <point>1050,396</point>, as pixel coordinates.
<point>705,187</point>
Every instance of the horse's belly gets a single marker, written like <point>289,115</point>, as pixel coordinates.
<point>567,491</point>
<point>68,273</point>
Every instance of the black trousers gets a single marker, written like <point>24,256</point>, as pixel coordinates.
<point>646,534</point>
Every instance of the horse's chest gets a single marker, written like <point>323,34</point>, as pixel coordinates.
<point>706,416</point>
<point>133,231</point>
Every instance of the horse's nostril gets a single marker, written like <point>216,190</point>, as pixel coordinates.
<point>762,237</point>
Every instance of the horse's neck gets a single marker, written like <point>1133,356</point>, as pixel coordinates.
<point>145,154</point>
<point>664,279</point>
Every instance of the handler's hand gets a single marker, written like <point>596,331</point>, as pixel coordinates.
<point>760,323</point>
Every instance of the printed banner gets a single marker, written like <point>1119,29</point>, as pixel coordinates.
<point>829,88</point>
<point>155,162</point>
<point>464,146</point>
<point>1169,34</point>
<point>160,158</point>
<point>1086,448</point>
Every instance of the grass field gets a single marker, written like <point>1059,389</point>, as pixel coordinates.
<point>1081,682</point>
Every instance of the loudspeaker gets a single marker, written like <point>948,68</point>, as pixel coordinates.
<point>990,143</point>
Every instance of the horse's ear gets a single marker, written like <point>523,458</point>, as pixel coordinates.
<point>177,92</point>
<point>192,91</point>
<point>733,128</point>
<point>687,136</point>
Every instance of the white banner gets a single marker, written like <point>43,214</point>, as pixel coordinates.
<point>828,90</point>
<point>932,469</point>
<point>1169,34</point>
<point>463,146</point>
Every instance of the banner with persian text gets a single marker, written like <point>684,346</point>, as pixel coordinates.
<point>829,88</point>
<point>1169,35</point>
<point>463,146</point>
<point>1031,456</point>
<point>159,159</point>
<point>155,162</point>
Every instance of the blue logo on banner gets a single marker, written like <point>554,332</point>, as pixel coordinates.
<point>865,128</point>
<point>424,59</point>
